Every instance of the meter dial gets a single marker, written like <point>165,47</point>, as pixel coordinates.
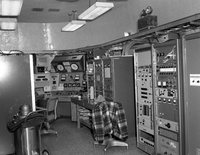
<point>74,66</point>
<point>60,67</point>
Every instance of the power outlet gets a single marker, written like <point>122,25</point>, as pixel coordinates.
<point>194,79</point>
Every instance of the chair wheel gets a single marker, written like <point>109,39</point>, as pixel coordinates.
<point>45,152</point>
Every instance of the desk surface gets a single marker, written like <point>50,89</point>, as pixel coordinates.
<point>82,102</point>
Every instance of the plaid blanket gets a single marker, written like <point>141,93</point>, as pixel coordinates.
<point>109,118</point>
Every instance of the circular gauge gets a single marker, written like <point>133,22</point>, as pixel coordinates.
<point>74,66</point>
<point>60,67</point>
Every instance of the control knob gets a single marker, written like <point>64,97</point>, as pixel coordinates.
<point>168,125</point>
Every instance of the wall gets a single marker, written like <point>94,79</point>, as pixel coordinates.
<point>26,37</point>
<point>34,37</point>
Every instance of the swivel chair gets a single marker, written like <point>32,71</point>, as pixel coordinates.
<point>110,142</point>
<point>50,114</point>
<point>108,113</point>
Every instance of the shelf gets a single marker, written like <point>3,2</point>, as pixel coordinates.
<point>86,122</point>
<point>83,103</point>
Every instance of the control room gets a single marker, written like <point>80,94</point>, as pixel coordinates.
<point>85,77</point>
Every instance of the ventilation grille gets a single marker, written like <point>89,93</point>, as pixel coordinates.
<point>37,9</point>
<point>53,10</point>
<point>42,9</point>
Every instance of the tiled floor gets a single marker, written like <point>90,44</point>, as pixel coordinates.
<point>74,141</point>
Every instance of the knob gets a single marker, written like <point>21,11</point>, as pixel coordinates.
<point>168,125</point>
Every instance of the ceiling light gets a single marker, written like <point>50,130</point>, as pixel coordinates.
<point>73,25</point>
<point>8,23</point>
<point>10,7</point>
<point>96,10</point>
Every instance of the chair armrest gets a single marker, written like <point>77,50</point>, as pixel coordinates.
<point>41,109</point>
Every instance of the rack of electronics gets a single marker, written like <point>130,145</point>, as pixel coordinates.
<point>61,76</point>
<point>144,98</point>
<point>159,121</point>
<point>166,88</point>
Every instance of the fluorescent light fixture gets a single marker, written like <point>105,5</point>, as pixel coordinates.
<point>73,25</point>
<point>96,10</point>
<point>10,7</point>
<point>8,24</point>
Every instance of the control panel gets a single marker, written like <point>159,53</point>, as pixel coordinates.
<point>166,98</point>
<point>42,80</point>
<point>68,84</point>
<point>90,79</point>
<point>144,99</point>
<point>49,81</point>
<point>98,77</point>
<point>63,79</point>
<point>72,81</point>
<point>54,82</point>
<point>145,107</point>
<point>108,81</point>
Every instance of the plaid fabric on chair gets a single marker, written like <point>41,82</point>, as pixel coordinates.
<point>109,118</point>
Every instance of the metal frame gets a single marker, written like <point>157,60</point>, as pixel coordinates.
<point>32,82</point>
<point>184,37</point>
<point>180,96</point>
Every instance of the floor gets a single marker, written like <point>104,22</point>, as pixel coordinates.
<point>73,141</point>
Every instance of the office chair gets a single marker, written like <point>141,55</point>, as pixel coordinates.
<point>109,117</point>
<point>50,113</point>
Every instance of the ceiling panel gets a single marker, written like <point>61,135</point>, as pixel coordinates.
<point>54,11</point>
<point>50,11</point>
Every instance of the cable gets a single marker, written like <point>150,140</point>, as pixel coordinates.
<point>31,119</point>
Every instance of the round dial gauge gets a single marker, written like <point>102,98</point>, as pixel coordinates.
<point>74,66</point>
<point>60,67</point>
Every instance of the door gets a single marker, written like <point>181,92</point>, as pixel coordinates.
<point>192,119</point>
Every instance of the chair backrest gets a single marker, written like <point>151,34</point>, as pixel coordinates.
<point>51,108</point>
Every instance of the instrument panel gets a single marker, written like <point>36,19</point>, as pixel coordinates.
<point>166,98</point>
<point>144,99</point>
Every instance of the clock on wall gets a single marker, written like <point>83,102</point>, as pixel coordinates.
<point>71,63</point>
<point>60,67</point>
<point>74,66</point>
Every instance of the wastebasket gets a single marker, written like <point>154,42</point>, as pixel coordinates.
<point>25,126</point>
<point>27,141</point>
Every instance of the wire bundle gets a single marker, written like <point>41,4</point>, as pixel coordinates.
<point>32,119</point>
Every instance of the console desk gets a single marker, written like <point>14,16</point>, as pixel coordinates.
<point>80,104</point>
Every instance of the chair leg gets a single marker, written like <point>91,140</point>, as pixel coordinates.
<point>48,130</point>
<point>113,142</point>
